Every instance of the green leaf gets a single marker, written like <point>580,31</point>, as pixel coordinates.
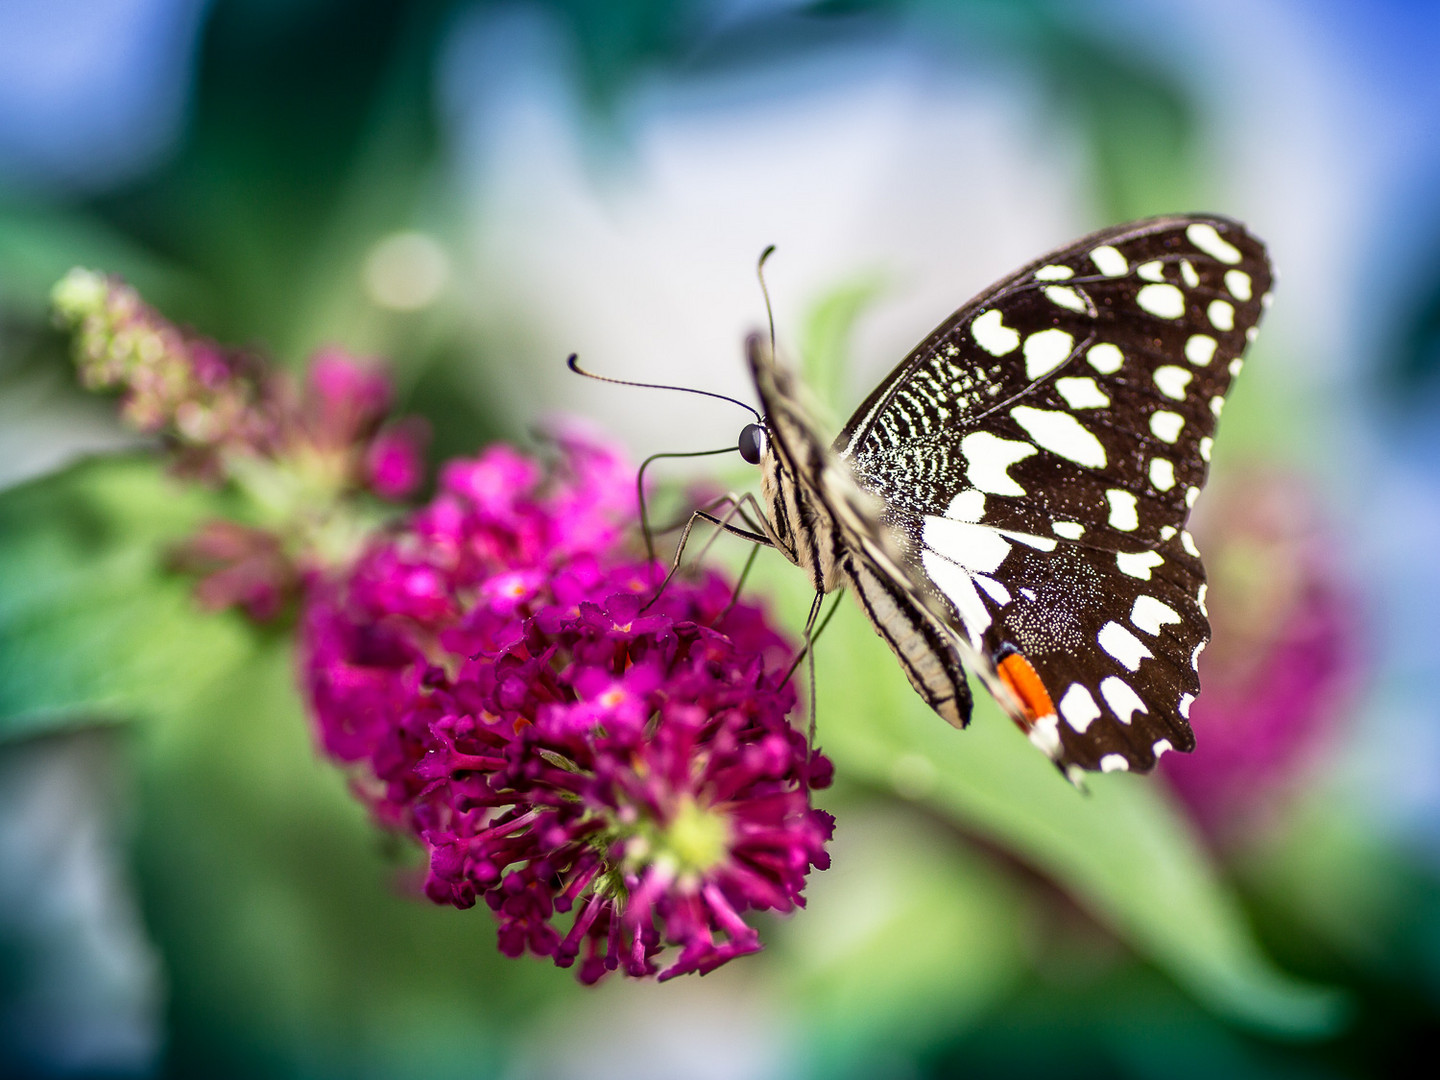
<point>1125,851</point>
<point>825,344</point>
<point>92,626</point>
<point>855,961</point>
<point>292,929</point>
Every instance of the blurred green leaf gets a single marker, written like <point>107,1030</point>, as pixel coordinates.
<point>1125,851</point>
<point>295,939</point>
<point>907,939</point>
<point>39,244</point>
<point>92,627</point>
<point>825,344</point>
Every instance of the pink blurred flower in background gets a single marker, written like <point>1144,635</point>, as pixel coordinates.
<point>1282,663</point>
<point>315,460</point>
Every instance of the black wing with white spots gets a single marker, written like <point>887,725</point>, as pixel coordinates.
<point>1040,452</point>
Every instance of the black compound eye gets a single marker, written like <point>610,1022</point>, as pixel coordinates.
<point>752,443</point>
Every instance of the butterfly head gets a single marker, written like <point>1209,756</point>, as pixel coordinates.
<point>753,443</point>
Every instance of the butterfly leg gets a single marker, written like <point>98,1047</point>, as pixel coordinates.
<point>738,506</point>
<point>739,583</point>
<point>807,651</point>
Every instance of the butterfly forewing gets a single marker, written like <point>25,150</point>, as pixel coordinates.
<point>1040,452</point>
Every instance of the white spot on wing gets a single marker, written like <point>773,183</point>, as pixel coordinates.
<point>1162,301</point>
<point>1162,473</point>
<point>1200,349</point>
<point>1152,271</point>
<point>1045,351</point>
<point>1040,543</point>
<point>1109,261</point>
<point>1203,236</point>
<point>1238,282</point>
<point>1081,392</point>
<point>1166,425</point>
<point>1122,645</point>
<point>1207,444</point>
<point>1064,296</point>
<point>1123,510</point>
<point>972,546</point>
<point>992,335</point>
<point>1222,314</point>
<point>1121,696</point>
<point>1078,707</point>
<point>1191,494</point>
<point>1138,564</point>
<point>1167,531</point>
<point>1172,381</point>
<point>1217,406</point>
<point>1200,599</point>
<point>1046,735</point>
<point>1105,358</point>
<point>1054,273</point>
<point>969,505</point>
<point>1150,615</point>
<point>1188,542</point>
<point>993,589</point>
<point>1161,747</point>
<point>1113,763</point>
<point>1188,274</point>
<point>1062,434</point>
<point>955,583</point>
<point>1186,700</point>
<point>988,457</point>
<point>1070,530</point>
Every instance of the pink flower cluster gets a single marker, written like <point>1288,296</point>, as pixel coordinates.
<point>308,456</point>
<point>1282,664</point>
<point>612,775</point>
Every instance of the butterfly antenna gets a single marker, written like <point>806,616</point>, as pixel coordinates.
<point>645,529</point>
<point>573,363</point>
<point>765,292</point>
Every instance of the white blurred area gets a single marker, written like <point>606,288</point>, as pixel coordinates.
<point>631,238</point>
<point>638,251</point>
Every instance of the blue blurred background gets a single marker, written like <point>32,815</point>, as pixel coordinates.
<point>474,190</point>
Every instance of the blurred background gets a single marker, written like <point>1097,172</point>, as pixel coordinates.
<point>474,190</point>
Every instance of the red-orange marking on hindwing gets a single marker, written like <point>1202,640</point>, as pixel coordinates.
<point>1024,681</point>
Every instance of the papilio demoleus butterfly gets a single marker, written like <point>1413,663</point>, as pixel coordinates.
<point>1013,497</point>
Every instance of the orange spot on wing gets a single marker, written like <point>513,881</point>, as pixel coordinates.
<point>1022,678</point>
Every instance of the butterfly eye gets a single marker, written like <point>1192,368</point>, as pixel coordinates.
<point>752,443</point>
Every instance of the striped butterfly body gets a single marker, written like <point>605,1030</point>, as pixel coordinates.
<point>1013,497</point>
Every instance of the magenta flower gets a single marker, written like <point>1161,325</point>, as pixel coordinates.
<point>613,771</point>
<point>613,779</point>
<point>394,465</point>
<point>308,458</point>
<point>1283,659</point>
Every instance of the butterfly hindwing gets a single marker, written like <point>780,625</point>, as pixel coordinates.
<point>1039,454</point>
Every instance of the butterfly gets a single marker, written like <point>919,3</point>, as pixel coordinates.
<point>1012,498</point>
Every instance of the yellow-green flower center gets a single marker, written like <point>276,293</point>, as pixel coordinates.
<point>695,840</point>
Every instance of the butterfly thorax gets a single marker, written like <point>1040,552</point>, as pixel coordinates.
<point>804,532</point>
